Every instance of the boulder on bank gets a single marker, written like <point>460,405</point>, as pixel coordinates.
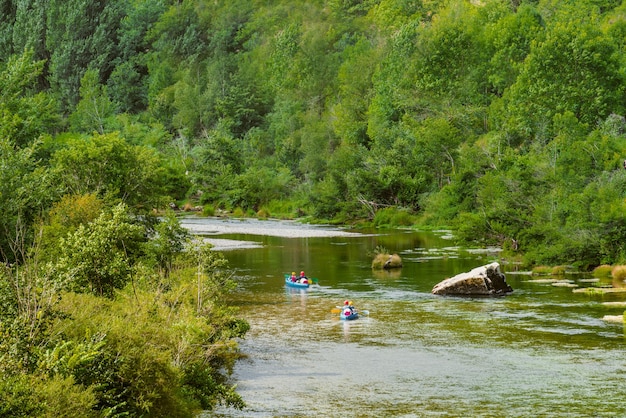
<point>486,280</point>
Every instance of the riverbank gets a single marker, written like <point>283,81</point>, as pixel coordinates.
<point>274,227</point>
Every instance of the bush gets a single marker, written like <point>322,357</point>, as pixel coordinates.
<point>386,261</point>
<point>603,270</point>
<point>45,397</point>
<point>208,210</point>
<point>281,209</point>
<point>379,261</point>
<point>619,272</point>
<point>393,217</point>
<point>18,397</point>
<point>263,213</point>
<point>99,257</point>
<point>542,270</point>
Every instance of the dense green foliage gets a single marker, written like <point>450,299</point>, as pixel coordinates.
<point>502,119</point>
<point>491,117</point>
<point>107,316</point>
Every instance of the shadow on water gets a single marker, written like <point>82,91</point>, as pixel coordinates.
<point>541,351</point>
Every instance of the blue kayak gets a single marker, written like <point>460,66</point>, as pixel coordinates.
<point>353,315</point>
<point>298,285</point>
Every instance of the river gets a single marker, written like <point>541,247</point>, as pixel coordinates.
<point>541,351</point>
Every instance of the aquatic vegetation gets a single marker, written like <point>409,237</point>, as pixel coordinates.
<point>541,270</point>
<point>603,270</point>
<point>619,272</point>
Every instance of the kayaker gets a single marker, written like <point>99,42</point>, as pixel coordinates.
<point>303,278</point>
<point>348,309</point>
<point>293,277</point>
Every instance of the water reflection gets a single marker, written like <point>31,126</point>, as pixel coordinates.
<point>387,274</point>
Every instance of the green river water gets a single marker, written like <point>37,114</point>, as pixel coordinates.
<point>542,351</point>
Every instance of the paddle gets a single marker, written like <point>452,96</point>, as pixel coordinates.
<point>338,310</point>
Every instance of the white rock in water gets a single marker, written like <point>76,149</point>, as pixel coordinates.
<point>481,281</point>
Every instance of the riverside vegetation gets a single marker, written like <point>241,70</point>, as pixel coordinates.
<point>500,119</point>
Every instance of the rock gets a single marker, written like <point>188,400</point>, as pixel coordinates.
<point>394,261</point>
<point>617,319</point>
<point>486,280</point>
<point>386,261</point>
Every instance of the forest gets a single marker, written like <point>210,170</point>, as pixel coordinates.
<point>502,120</point>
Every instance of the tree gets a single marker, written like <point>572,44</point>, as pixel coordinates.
<point>128,83</point>
<point>167,240</point>
<point>25,115</point>
<point>81,34</point>
<point>574,69</point>
<point>108,165</point>
<point>511,37</point>
<point>355,88</point>
<point>7,21</point>
<point>26,190</point>
<point>94,106</point>
<point>29,29</point>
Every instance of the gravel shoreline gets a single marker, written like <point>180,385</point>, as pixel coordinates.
<point>206,227</point>
<point>274,228</point>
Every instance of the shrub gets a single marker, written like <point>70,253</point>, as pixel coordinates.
<point>603,270</point>
<point>208,210</point>
<point>386,261</point>
<point>285,209</point>
<point>99,257</point>
<point>18,397</point>
<point>393,217</point>
<point>45,397</point>
<point>167,352</point>
<point>541,270</point>
<point>619,272</point>
<point>263,213</point>
<point>379,261</point>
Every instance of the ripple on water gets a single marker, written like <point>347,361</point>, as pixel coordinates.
<point>542,351</point>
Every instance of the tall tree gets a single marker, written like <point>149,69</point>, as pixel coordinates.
<point>574,69</point>
<point>25,114</point>
<point>81,34</point>
<point>26,191</point>
<point>94,106</point>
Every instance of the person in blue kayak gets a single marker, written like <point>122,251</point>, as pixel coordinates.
<point>303,278</point>
<point>293,277</point>
<point>348,308</point>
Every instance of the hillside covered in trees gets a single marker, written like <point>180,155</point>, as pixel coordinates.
<point>501,119</point>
